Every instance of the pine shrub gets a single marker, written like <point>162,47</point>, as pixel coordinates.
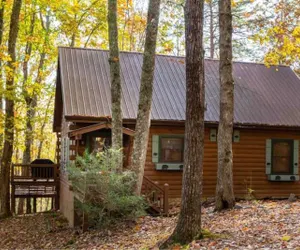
<point>103,193</point>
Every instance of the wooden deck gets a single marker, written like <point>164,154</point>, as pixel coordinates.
<point>34,181</point>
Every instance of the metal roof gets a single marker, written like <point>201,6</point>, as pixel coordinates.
<point>263,96</point>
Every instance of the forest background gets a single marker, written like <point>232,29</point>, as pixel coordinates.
<point>264,31</point>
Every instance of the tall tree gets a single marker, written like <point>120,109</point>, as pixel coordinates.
<point>224,189</point>
<point>2,7</point>
<point>116,88</point>
<point>9,109</point>
<point>45,121</point>
<point>30,89</point>
<point>28,51</point>
<point>280,34</point>
<point>189,221</point>
<point>141,135</point>
<point>211,29</point>
<point>28,132</point>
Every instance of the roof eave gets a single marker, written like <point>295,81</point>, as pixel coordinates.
<point>130,121</point>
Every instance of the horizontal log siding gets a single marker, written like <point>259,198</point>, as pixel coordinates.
<point>248,165</point>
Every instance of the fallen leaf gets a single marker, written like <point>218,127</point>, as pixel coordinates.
<point>286,238</point>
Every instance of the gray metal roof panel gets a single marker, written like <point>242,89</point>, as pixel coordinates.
<point>267,96</point>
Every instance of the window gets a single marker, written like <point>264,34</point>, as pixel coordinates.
<point>98,144</point>
<point>171,149</point>
<point>282,156</point>
<point>167,152</point>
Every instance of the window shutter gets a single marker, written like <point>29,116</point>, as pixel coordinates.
<point>296,157</point>
<point>268,156</point>
<point>213,134</point>
<point>236,135</point>
<point>155,148</point>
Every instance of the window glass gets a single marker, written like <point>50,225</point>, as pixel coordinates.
<point>171,149</point>
<point>100,143</point>
<point>97,144</point>
<point>282,157</point>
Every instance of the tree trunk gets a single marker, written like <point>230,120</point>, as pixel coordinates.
<point>1,78</point>
<point>27,96</point>
<point>189,221</point>
<point>31,100</point>
<point>116,88</point>
<point>9,110</point>
<point>140,142</point>
<point>40,147</point>
<point>73,38</point>
<point>211,30</point>
<point>224,188</point>
<point>29,111</point>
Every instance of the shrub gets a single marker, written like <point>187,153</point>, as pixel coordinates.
<point>103,193</point>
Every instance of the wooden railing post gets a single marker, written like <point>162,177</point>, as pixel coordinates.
<point>166,198</point>
<point>155,194</point>
<point>158,196</point>
<point>57,180</point>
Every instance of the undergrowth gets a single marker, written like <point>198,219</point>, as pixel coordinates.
<point>105,194</point>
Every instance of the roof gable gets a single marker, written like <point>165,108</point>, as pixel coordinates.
<point>265,96</point>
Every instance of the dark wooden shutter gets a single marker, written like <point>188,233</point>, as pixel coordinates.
<point>236,135</point>
<point>155,148</point>
<point>268,156</point>
<point>213,134</point>
<point>296,157</point>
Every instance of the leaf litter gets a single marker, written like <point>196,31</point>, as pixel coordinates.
<point>252,225</point>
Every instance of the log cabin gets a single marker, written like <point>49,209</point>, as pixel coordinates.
<point>266,121</point>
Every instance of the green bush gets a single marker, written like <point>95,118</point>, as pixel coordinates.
<point>102,192</point>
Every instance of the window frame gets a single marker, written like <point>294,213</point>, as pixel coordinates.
<point>172,136</point>
<point>291,167</point>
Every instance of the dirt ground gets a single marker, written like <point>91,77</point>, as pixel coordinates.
<point>251,225</point>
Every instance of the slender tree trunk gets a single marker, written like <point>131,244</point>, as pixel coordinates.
<point>116,88</point>
<point>189,221</point>
<point>9,110</point>
<point>211,30</point>
<point>29,111</point>
<point>1,78</point>
<point>73,38</point>
<point>31,101</point>
<point>40,147</point>
<point>140,142</point>
<point>27,96</point>
<point>224,189</point>
<point>96,27</point>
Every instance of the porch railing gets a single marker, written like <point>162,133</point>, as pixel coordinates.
<point>33,181</point>
<point>157,197</point>
<point>35,172</point>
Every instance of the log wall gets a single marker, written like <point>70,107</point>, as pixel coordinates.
<point>248,165</point>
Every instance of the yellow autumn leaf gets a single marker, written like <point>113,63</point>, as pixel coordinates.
<point>137,228</point>
<point>286,238</point>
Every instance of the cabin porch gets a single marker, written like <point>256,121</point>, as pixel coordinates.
<point>34,181</point>
<point>94,139</point>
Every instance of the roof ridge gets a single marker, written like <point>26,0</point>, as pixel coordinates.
<point>174,56</point>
